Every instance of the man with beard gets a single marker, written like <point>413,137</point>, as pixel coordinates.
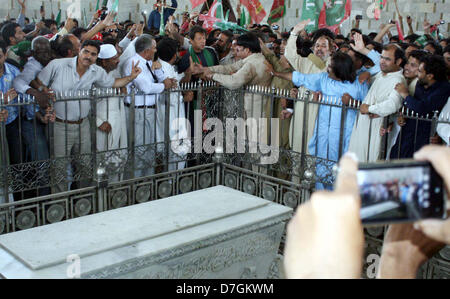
<point>12,34</point>
<point>72,128</point>
<point>410,72</point>
<point>223,47</point>
<point>316,62</point>
<point>431,95</point>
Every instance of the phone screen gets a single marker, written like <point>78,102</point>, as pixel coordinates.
<point>400,192</point>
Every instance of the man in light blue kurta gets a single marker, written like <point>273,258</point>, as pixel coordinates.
<point>325,141</point>
<point>339,79</point>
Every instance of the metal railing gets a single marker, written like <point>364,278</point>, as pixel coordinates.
<point>40,159</point>
<point>107,176</point>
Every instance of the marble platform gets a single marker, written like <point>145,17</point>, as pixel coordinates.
<point>212,233</point>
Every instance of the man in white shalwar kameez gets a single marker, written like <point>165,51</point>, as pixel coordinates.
<point>111,120</point>
<point>381,101</point>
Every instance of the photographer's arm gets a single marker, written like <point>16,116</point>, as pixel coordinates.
<point>328,218</point>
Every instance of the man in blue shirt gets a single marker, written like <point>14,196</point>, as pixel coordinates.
<point>7,74</point>
<point>154,20</point>
<point>337,85</point>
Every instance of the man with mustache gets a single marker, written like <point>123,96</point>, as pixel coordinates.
<point>223,48</point>
<point>71,75</point>
<point>313,64</point>
<point>33,132</point>
<point>410,72</point>
<point>382,100</point>
<point>431,95</point>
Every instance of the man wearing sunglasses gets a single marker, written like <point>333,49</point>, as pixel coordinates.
<point>112,30</point>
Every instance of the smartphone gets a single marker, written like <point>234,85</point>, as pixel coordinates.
<point>275,27</point>
<point>442,22</point>
<point>400,191</point>
<point>391,21</point>
<point>359,17</point>
<point>42,8</point>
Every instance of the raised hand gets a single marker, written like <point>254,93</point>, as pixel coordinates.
<point>69,25</point>
<point>426,24</point>
<point>96,15</point>
<point>132,32</point>
<point>139,29</point>
<point>135,70</point>
<point>300,26</point>
<point>39,25</point>
<point>359,44</point>
<point>409,20</point>
<point>109,20</point>
<point>22,4</point>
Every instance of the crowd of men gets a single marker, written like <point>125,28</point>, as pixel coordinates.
<point>380,71</point>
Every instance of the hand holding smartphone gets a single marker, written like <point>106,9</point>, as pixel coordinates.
<point>400,191</point>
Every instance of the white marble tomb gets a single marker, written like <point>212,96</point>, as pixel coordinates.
<point>212,233</point>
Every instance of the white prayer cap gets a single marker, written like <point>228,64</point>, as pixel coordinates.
<point>107,51</point>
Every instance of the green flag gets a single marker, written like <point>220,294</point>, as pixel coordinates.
<point>161,24</point>
<point>245,18</point>
<point>97,7</point>
<point>227,15</point>
<point>219,10</point>
<point>58,18</point>
<point>113,5</point>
